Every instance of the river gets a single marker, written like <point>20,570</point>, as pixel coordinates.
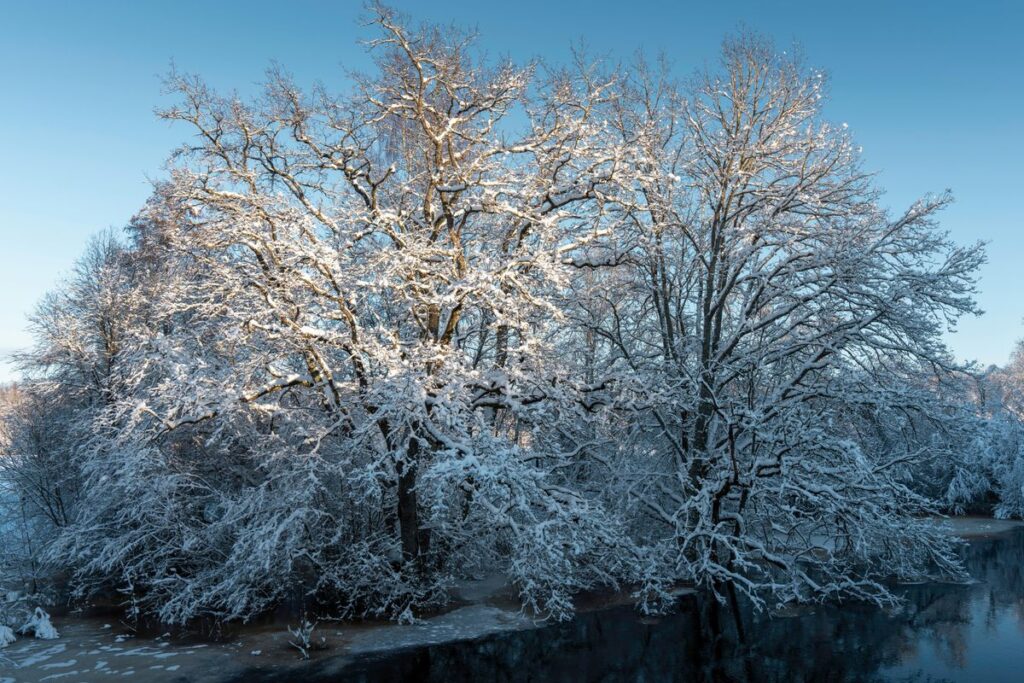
<point>942,632</point>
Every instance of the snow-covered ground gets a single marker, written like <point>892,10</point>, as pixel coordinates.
<point>87,652</point>
<point>93,649</point>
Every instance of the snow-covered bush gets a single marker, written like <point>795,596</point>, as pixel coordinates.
<point>6,635</point>
<point>39,625</point>
<point>302,637</point>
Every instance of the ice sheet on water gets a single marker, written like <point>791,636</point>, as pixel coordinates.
<point>43,655</point>
<point>472,621</point>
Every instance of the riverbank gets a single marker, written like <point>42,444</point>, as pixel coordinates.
<point>94,649</point>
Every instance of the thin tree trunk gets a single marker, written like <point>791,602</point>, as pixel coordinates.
<point>408,512</point>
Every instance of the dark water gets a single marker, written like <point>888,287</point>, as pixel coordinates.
<point>943,632</point>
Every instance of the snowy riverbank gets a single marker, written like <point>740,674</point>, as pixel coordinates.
<point>95,649</point>
<point>91,649</point>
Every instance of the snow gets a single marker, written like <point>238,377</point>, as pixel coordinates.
<point>86,651</point>
<point>40,625</point>
<point>459,624</point>
<point>86,648</point>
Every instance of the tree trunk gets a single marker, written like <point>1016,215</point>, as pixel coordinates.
<point>408,512</point>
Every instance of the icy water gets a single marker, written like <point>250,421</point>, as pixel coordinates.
<point>943,633</point>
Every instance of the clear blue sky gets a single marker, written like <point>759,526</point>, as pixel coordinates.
<point>932,90</point>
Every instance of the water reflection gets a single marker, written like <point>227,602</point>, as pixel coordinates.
<point>943,633</point>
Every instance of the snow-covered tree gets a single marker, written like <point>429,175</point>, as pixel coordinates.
<point>71,379</point>
<point>996,460</point>
<point>772,309</point>
<point>367,392</point>
<point>582,326</point>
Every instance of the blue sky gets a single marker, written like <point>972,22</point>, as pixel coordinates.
<point>931,90</point>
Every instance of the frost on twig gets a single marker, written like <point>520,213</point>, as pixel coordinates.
<point>303,640</point>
